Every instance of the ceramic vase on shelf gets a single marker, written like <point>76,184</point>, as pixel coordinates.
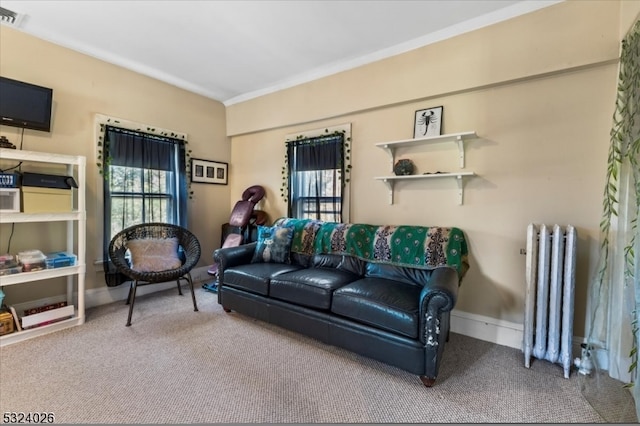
<point>403,167</point>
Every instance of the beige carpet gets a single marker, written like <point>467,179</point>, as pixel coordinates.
<point>174,365</point>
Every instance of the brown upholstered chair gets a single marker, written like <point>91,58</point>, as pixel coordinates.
<point>152,253</point>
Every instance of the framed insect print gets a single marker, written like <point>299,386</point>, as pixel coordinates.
<point>428,122</point>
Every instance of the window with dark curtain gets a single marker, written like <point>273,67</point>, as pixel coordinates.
<point>145,181</point>
<point>316,173</point>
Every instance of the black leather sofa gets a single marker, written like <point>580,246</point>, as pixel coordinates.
<point>380,308</point>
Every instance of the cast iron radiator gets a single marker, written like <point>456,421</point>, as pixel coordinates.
<point>549,303</point>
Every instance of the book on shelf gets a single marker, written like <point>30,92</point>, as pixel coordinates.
<point>44,308</point>
<point>48,316</point>
<point>16,319</point>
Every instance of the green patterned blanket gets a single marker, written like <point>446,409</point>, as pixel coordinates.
<point>413,246</point>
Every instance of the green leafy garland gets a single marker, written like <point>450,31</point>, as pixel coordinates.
<point>102,148</point>
<point>284,189</point>
<point>624,147</point>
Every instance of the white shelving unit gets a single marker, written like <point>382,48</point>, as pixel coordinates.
<point>75,222</point>
<point>456,138</point>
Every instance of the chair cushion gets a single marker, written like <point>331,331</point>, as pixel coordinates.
<point>310,287</point>
<point>385,304</point>
<point>232,240</point>
<point>255,277</point>
<point>241,213</point>
<point>154,254</point>
<point>274,245</point>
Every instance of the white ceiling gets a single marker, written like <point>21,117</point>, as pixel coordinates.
<point>236,50</point>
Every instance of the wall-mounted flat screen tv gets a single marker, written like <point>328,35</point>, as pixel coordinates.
<point>25,105</point>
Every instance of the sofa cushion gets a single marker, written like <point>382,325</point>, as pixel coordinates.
<point>310,287</point>
<point>325,260</point>
<point>274,244</point>
<point>353,264</point>
<point>385,304</point>
<point>255,277</point>
<point>404,274</point>
<point>301,259</point>
<point>339,261</point>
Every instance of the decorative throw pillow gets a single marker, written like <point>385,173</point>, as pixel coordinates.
<point>274,245</point>
<point>154,254</point>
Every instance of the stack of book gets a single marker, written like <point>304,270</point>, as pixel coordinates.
<point>43,315</point>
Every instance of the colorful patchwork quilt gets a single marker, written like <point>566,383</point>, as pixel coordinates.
<point>403,245</point>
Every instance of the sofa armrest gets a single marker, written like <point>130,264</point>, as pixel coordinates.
<point>438,295</point>
<point>233,256</point>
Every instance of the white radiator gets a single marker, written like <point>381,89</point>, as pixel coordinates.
<point>549,303</point>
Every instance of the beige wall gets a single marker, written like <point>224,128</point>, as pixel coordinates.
<point>539,90</point>
<point>83,86</point>
<point>629,14</point>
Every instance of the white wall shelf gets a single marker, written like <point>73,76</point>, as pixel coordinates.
<point>459,178</point>
<point>41,217</point>
<point>75,222</point>
<point>457,138</point>
<point>43,274</point>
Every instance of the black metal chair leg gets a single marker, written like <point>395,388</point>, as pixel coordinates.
<point>179,288</point>
<point>132,292</point>
<point>129,295</point>
<point>193,295</point>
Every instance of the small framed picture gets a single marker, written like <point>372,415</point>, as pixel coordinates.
<point>428,122</point>
<point>206,171</point>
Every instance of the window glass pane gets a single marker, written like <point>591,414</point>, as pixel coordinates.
<point>318,195</point>
<point>328,208</point>
<point>125,212</point>
<point>157,210</point>
<point>320,182</point>
<point>156,181</point>
<point>139,195</point>
<point>125,179</point>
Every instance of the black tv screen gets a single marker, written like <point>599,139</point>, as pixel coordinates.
<point>25,105</point>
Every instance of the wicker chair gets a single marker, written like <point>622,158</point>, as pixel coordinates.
<point>118,253</point>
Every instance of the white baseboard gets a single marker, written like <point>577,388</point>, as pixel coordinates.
<point>505,333</point>
<point>103,295</point>
<point>492,330</point>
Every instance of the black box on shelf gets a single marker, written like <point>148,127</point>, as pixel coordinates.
<point>48,181</point>
<point>42,193</point>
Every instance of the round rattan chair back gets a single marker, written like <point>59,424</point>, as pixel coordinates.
<point>188,243</point>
